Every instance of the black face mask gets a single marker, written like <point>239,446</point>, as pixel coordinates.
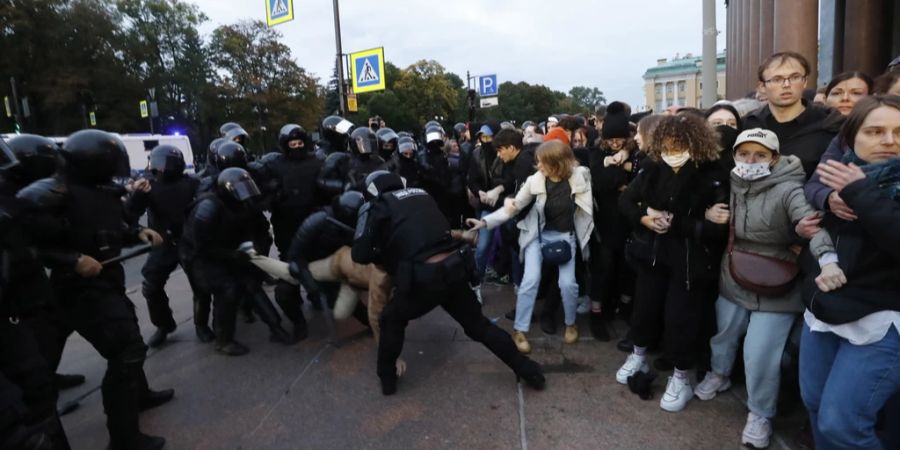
<point>727,137</point>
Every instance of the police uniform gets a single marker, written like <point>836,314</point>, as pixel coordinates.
<point>404,231</point>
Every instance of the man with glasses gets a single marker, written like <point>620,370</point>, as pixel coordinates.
<point>803,129</point>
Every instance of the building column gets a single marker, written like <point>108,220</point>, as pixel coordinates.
<point>665,100</point>
<point>766,32</point>
<point>797,29</point>
<point>746,30</point>
<point>753,46</point>
<point>868,49</point>
<point>729,52</point>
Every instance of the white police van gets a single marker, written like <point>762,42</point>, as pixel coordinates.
<point>139,146</point>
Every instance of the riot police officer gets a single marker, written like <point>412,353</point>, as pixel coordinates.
<point>38,157</point>
<point>404,163</point>
<point>219,223</point>
<point>387,143</point>
<point>321,235</point>
<point>404,232</point>
<point>226,127</point>
<point>335,132</point>
<point>28,417</point>
<point>293,171</point>
<point>84,225</point>
<point>165,195</point>
<point>346,172</point>
<point>238,135</point>
<point>434,169</point>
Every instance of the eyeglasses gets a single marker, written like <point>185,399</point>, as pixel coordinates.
<point>779,80</point>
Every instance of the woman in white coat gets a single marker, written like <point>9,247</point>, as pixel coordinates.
<point>562,210</point>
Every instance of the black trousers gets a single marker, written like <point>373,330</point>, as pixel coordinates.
<point>610,277</point>
<point>161,262</point>
<point>27,394</point>
<point>105,317</point>
<point>664,305</point>
<point>460,302</point>
<point>287,295</point>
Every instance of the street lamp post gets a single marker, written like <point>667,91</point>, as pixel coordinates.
<point>339,57</point>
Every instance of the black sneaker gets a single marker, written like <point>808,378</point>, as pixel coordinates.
<point>598,328</point>
<point>232,348</point>
<point>511,314</point>
<point>140,442</point>
<point>158,338</point>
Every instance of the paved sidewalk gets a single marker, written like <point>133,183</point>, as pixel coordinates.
<point>321,395</point>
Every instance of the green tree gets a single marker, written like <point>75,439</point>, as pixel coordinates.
<point>587,98</point>
<point>263,86</point>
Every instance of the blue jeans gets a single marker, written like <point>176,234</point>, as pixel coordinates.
<point>531,279</point>
<point>845,385</point>
<point>481,250</point>
<point>767,333</point>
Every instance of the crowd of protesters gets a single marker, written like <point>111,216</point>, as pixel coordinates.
<point>761,227</point>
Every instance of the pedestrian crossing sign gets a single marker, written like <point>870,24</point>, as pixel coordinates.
<point>279,11</point>
<point>367,70</point>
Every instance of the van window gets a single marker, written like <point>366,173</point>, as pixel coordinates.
<point>150,145</point>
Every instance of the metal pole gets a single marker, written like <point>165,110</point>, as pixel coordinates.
<point>340,61</point>
<point>18,113</point>
<point>710,85</point>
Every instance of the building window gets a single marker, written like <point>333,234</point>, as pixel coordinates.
<point>658,88</point>
<point>681,86</point>
<point>659,105</point>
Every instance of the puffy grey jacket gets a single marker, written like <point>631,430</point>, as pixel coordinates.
<point>765,212</point>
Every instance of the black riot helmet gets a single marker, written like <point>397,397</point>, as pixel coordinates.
<point>235,186</point>
<point>432,123</point>
<point>381,181</point>
<point>231,154</point>
<point>226,127</point>
<point>238,135</point>
<point>7,157</point>
<point>167,161</point>
<point>459,129</point>
<point>434,137</point>
<point>94,157</point>
<point>336,130</point>
<point>212,150</point>
<point>363,141</point>
<point>407,147</point>
<point>38,157</point>
<point>405,134</point>
<point>346,207</point>
<point>293,132</point>
<point>387,142</point>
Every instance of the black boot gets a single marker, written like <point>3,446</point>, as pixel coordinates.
<point>548,324</point>
<point>269,316</point>
<point>247,311</point>
<point>532,374</point>
<point>159,337</point>
<point>598,328</point>
<point>291,304</point>
<point>201,319</point>
<point>225,318</point>
<point>67,381</point>
<point>151,399</point>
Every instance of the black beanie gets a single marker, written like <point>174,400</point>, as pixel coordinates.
<point>615,125</point>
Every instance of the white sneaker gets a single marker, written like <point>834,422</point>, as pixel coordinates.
<point>757,431</point>
<point>584,305</point>
<point>632,365</point>
<point>711,385</point>
<point>678,393</point>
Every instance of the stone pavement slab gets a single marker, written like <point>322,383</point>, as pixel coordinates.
<point>322,394</point>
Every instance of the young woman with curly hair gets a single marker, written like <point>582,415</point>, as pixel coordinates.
<point>677,207</point>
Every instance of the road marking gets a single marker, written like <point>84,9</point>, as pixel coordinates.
<point>523,438</point>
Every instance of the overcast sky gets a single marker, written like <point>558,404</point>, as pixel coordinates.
<point>597,43</point>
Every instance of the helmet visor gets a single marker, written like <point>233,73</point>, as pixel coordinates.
<point>7,157</point>
<point>343,126</point>
<point>244,189</point>
<point>365,145</point>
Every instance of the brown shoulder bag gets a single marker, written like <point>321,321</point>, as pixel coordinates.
<point>763,275</point>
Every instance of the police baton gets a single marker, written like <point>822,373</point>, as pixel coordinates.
<point>137,251</point>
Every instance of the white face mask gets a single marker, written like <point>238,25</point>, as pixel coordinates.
<point>751,171</point>
<point>677,160</point>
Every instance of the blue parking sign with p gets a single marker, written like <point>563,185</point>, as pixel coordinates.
<point>487,85</point>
